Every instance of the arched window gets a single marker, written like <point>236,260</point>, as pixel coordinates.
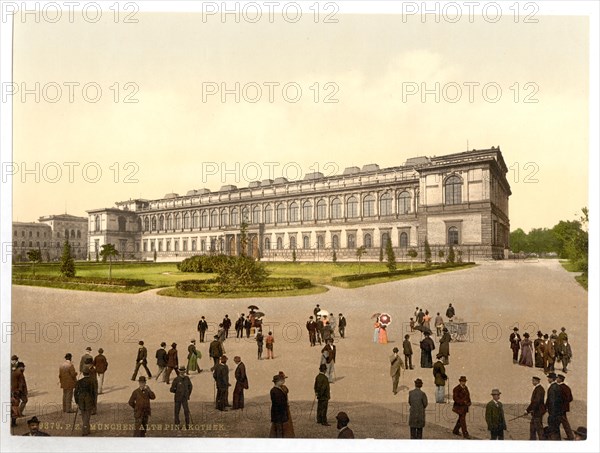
<point>267,244</point>
<point>153,223</point>
<point>256,214</point>
<point>351,241</point>
<point>204,219</point>
<point>214,218</point>
<point>335,242</point>
<point>453,189</point>
<point>169,222</point>
<point>146,224</point>
<point>404,203</point>
<point>320,242</point>
<point>279,243</point>
<point>203,245</point>
<point>268,214</point>
<point>193,245</point>
<point>293,242</point>
<point>160,242</point>
<point>368,206</point>
<point>321,210</point>
<point>305,242</point>
<point>352,207</point>
<point>280,213</point>
<point>79,234</point>
<point>161,222</point>
<point>224,217</point>
<point>234,217</point>
<point>245,217</point>
<point>367,241</point>
<point>336,209</point>
<point>73,234</point>
<point>66,234</point>
<point>403,240</point>
<point>195,220</point>
<point>177,221</point>
<point>294,212</point>
<point>186,220</point>
<point>384,239</point>
<point>385,204</point>
<point>176,245</point>
<point>307,211</point>
<point>452,236</point>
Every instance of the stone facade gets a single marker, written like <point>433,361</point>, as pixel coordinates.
<point>459,199</point>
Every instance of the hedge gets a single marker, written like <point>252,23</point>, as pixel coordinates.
<point>87,280</point>
<point>202,263</point>
<point>357,277</point>
<point>270,284</point>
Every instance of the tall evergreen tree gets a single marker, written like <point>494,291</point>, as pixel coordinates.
<point>427,253</point>
<point>391,256</point>
<point>67,264</point>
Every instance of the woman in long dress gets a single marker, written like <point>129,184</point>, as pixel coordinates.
<point>376,331</point>
<point>383,338</point>
<point>526,351</point>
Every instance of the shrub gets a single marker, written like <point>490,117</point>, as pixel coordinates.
<point>241,272</point>
<point>67,264</point>
<point>391,256</point>
<point>270,284</point>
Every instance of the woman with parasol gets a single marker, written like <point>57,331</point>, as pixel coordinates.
<point>384,321</point>
<point>377,326</point>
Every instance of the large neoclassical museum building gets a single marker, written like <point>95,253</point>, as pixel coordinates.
<point>458,200</point>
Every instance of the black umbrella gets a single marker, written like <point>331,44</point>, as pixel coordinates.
<point>259,314</point>
<point>423,329</point>
<point>252,307</point>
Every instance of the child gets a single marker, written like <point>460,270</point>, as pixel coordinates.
<point>412,325</point>
<point>259,343</point>
<point>269,343</point>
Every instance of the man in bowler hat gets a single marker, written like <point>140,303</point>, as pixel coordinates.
<point>140,402</point>
<point>537,409</point>
<point>462,401</point>
<point>494,417</point>
<point>342,424</point>
<point>322,394</point>
<point>141,360</point>
<point>417,400</point>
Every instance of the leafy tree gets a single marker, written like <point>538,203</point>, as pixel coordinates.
<point>391,256</point>
<point>35,256</point>
<point>563,233</point>
<point>107,252</point>
<point>451,258</point>
<point>413,254</point>
<point>518,241</point>
<point>241,272</point>
<point>67,264</point>
<point>359,253</point>
<point>441,254</point>
<point>427,253</point>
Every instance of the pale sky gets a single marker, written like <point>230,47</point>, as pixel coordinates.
<point>171,135</point>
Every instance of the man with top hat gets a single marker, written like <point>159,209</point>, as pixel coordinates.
<point>239,326</point>
<point>162,360</point>
<point>221,377</point>
<point>417,400</point>
<point>537,409</point>
<point>101,365</point>
<point>140,402</point>
<point>279,407</point>
<point>182,389</point>
<point>494,417</point>
<point>85,397</point>
<point>462,401</point>
<point>549,354</point>
<point>567,398</point>
<point>554,406</point>
<point>67,377</point>
<point>427,345</point>
<point>439,379</point>
<point>215,350</point>
<point>202,328</point>
<point>322,394</point>
<point>342,425</point>
<point>141,360</point>
<point>241,383</point>
<point>515,343</point>
<point>342,323</point>
<point>311,326</point>
<point>396,366</point>
<point>172,362</point>
<point>87,354</point>
<point>538,347</point>
<point>34,428</point>
<point>408,352</point>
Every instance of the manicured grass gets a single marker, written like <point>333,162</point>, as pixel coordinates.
<point>569,266</point>
<point>174,292</point>
<point>572,267</point>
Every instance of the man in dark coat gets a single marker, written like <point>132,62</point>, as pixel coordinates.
<point>538,348</point>
<point>417,400</point>
<point>172,362</point>
<point>396,366</point>
<point>408,352</point>
<point>322,394</point>
<point>494,417</point>
<point>241,383</point>
<point>248,326</point>
<point>141,360</point>
<point>567,398</point>
<point>328,356</point>
<point>226,325</point>
<point>420,317</point>
<point>554,406</point>
<point>549,354</point>
<point>18,386</point>
<point>537,409</point>
<point>87,354</point>
<point>215,350</point>
<point>162,360</point>
<point>140,402</point>
<point>342,328</point>
<point>34,428</point>
<point>279,406</point>
<point>202,328</point>
<point>101,365</point>
<point>85,398</point>
<point>439,379</point>
<point>182,388</point>
<point>427,345</point>
<point>445,346</point>
<point>89,367</point>
<point>450,313</point>
<point>342,424</point>
<point>462,401</point>
<point>515,343</point>
<point>311,326</point>
<point>221,376</point>
<point>239,326</point>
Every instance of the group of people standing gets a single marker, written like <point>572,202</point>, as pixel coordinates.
<point>544,352</point>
